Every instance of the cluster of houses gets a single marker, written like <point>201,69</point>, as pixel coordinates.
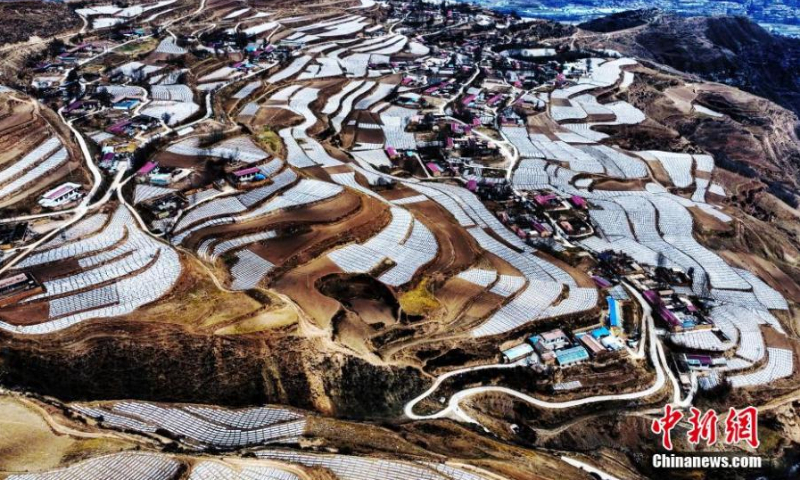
<point>477,105</point>
<point>666,290</point>
<point>50,75</point>
<point>618,265</point>
<point>133,126</point>
<point>460,38</point>
<point>454,150</point>
<point>161,209</point>
<point>525,220</point>
<point>556,348</point>
<point>676,310</point>
<point>468,33</point>
<point>160,176</point>
<point>535,214</point>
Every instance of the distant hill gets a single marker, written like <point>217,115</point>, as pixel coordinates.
<point>621,21</point>
<point>731,50</point>
<point>22,20</point>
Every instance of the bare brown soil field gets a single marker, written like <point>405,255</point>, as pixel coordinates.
<point>457,249</point>
<point>26,313</point>
<point>201,303</point>
<point>501,266</point>
<point>16,148</point>
<point>765,270</point>
<point>169,159</point>
<point>359,224</point>
<point>346,136</point>
<point>30,443</point>
<point>466,305</point>
<point>363,135</point>
<point>543,124</point>
<point>455,295</point>
<point>775,339</point>
<point>219,10</point>
<point>619,185</point>
<point>580,277</point>
<point>275,118</point>
<point>658,172</point>
<point>50,271</point>
<point>328,171</point>
<point>299,285</point>
<point>299,282</point>
<point>710,224</point>
<point>335,152</point>
<point>204,67</point>
<point>703,175</point>
<point>328,87</point>
<point>397,192</point>
<point>279,250</point>
<point>373,311</point>
<point>682,97</point>
<point>318,172</point>
<point>21,116</point>
<point>478,310</point>
<point>331,210</point>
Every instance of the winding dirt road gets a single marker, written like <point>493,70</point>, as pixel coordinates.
<point>655,352</point>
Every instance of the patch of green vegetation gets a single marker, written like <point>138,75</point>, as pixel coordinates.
<point>418,301</point>
<point>134,48</point>
<point>270,140</point>
<point>94,446</point>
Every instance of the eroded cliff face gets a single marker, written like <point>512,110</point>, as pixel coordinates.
<point>159,362</point>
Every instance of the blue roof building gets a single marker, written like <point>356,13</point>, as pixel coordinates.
<point>515,353</point>
<point>128,104</point>
<point>571,356</point>
<point>600,332</point>
<point>614,315</point>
